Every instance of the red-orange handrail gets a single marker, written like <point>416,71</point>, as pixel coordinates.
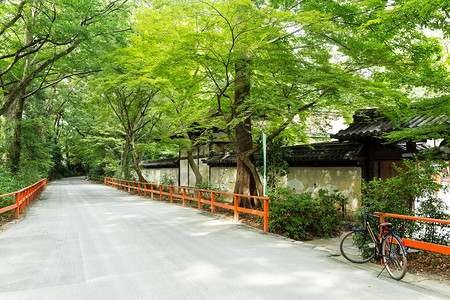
<point>24,197</point>
<point>414,243</point>
<point>139,187</point>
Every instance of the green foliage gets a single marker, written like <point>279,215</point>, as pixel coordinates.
<point>167,180</point>
<point>435,208</point>
<point>96,172</point>
<point>10,182</point>
<point>301,216</point>
<point>207,185</point>
<point>277,167</point>
<point>415,182</point>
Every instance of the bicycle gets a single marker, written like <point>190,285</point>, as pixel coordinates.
<point>361,245</point>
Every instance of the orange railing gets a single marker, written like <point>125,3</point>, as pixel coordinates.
<point>24,197</point>
<point>414,243</point>
<point>177,192</point>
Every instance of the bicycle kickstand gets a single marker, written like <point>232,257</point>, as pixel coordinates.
<point>381,271</point>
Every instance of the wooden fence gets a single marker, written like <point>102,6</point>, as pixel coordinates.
<point>24,197</point>
<point>197,195</point>
<point>414,243</point>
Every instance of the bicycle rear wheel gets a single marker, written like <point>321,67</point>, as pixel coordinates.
<point>394,256</point>
<point>357,247</point>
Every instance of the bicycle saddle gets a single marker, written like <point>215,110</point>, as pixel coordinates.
<point>385,224</point>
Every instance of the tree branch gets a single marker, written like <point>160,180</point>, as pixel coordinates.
<point>15,17</point>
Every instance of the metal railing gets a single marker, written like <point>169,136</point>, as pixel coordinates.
<point>186,194</point>
<point>414,243</point>
<point>24,197</point>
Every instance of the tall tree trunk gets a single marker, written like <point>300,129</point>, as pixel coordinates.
<point>16,144</point>
<point>245,184</point>
<point>194,166</point>
<point>18,107</point>
<point>136,161</point>
<point>125,171</point>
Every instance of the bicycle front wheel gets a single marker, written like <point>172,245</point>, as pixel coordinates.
<point>357,247</point>
<point>394,256</point>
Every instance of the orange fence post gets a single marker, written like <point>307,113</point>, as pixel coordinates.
<point>21,201</point>
<point>266,215</point>
<point>145,190</point>
<point>16,212</point>
<point>25,197</point>
<point>171,194</point>
<point>382,219</point>
<point>160,192</point>
<point>213,200</point>
<point>200,200</point>
<point>184,196</point>
<point>152,191</point>
<point>236,204</point>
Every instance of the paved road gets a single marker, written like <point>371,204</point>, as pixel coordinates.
<point>87,241</point>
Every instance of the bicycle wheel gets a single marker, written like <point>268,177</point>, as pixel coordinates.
<point>394,256</point>
<point>357,247</point>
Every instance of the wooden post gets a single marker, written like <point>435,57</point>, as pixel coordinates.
<point>213,200</point>
<point>160,192</point>
<point>16,213</point>
<point>21,200</point>
<point>145,189</point>
<point>171,194</point>
<point>200,204</point>
<point>382,219</point>
<point>184,196</point>
<point>266,215</point>
<point>236,203</point>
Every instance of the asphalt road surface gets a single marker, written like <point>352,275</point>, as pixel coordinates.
<point>89,241</point>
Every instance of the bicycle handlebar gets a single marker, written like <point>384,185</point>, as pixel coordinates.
<point>366,205</point>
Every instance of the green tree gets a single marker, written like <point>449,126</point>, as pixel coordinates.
<point>132,100</point>
<point>258,64</point>
<point>423,21</point>
<point>44,42</point>
<point>90,138</point>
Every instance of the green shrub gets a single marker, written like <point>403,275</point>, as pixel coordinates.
<point>415,182</point>
<point>301,216</point>
<point>206,185</point>
<point>97,171</point>
<point>167,180</point>
<point>10,182</point>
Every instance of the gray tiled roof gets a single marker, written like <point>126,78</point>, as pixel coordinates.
<point>162,163</point>
<point>369,123</point>
<point>333,151</point>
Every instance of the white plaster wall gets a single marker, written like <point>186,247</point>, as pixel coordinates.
<point>155,175</point>
<point>184,165</point>
<point>204,170</point>
<point>347,180</point>
<point>223,178</point>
